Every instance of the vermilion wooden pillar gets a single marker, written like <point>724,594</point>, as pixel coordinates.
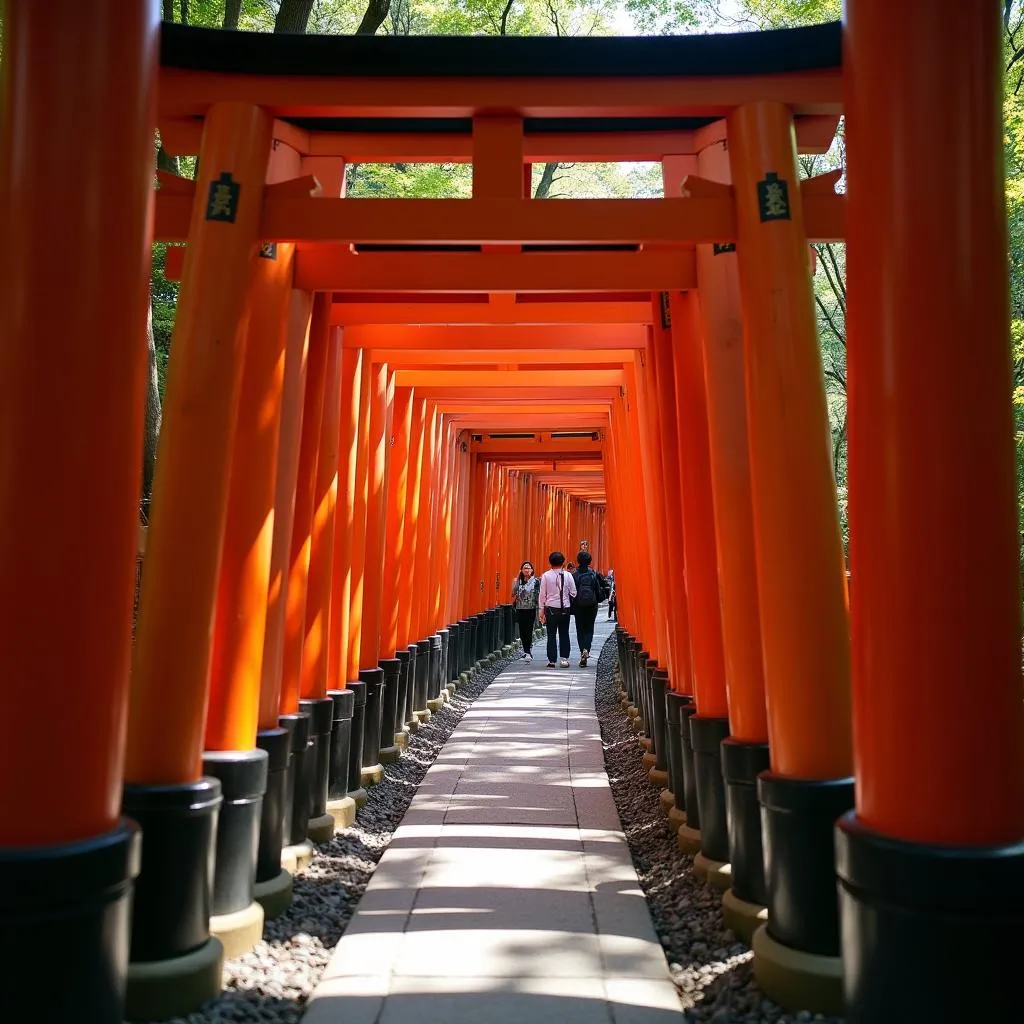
<point>74,79</point>
<point>305,498</point>
<point>359,560</point>
<point>427,495</point>
<point>935,848</point>
<point>800,567</point>
<point>409,618</point>
<point>398,487</point>
<point>344,522</point>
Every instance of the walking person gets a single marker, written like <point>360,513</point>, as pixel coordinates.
<point>591,590</point>
<point>612,607</point>
<point>557,589</point>
<point>525,593</point>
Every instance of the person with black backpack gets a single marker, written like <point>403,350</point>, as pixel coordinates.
<point>591,590</point>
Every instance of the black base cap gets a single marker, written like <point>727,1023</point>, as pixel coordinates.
<point>374,680</point>
<point>78,895</point>
<point>171,905</point>
<point>341,739</point>
<point>741,765</point>
<point>355,747</point>
<point>243,779</point>
<point>277,743</point>
<point>392,669</point>
<point>296,813</point>
<point>674,722</point>
<point>659,687</point>
<point>321,716</point>
<point>929,933</point>
<point>706,735</point>
<point>797,819</point>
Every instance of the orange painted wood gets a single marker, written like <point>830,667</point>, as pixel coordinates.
<point>72,385</point>
<point>344,520</point>
<point>190,94</point>
<point>240,621</point>
<point>408,620</point>
<point>300,549</point>
<point>300,306</point>
<point>374,586</point>
<point>801,572</point>
<point>397,499</point>
<point>594,311</point>
<point>721,329</point>
<point>359,561</point>
<point>316,642</point>
<point>670,221</point>
<point>190,492</point>
<point>329,266</point>
<point>936,630</point>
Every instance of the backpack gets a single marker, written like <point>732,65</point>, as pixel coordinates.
<point>586,590</point>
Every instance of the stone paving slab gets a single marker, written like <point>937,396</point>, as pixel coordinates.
<point>508,894</point>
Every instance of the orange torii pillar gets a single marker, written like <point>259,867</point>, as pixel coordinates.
<point>659,672</point>
<point>370,672</point>
<point>296,717</point>
<point>315,700</point>
<point>416,696</point>
<point>449,635</point>
<point>438,638</point>
<point>75,79</point>
<point>340,805</point>
<point>933,858</point>
<point>394,734</point>
<point>680,695</point>
<point>428,642</point>
<point>166,790</point>
<point>705,830</point>
<point>457,567</point>
<point>800,569</point>
<point>744,752</point>
<point>249,759</point>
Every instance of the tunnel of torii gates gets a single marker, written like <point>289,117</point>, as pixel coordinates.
<point>376,409</point>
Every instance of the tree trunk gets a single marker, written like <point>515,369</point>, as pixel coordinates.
<point>184,12</point>
<point>153,416</point>
<point>293,16</point>
<point>547,178</point>
<point>373,18</point>
<point>168,14</point>
<point>232,11</point>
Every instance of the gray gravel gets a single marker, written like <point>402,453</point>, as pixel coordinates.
<point>271,984</point>
<point>712,969</point>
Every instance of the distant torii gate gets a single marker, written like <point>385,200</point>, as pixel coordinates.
<point>335,522</point>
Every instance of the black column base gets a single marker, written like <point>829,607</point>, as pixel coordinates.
<point>78,895</point>
<point>434,673</point>
<point>297,786</point>
<point>341,739</point>
<point>465,646</point>
<point>355,750</point>
<point>321,724</point>
<point>404,693</point>
<point>243,780</point>
<point>389,749</point>
<point>372,770</point>
<point>929,933</point>
<point>797,819</point>
<point>659,747</point>
<point>741,765</point>
<point>707,735</point>
<point>276,742</point>
<point>675,720</point>
<point>443,674</point>
<point>412,720</point>
<point>422,681</point>
<point>171,905</point>
<point>691,805</point>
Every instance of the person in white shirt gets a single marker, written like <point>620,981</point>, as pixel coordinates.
<point>557,589</point>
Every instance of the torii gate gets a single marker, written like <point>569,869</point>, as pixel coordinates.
<point>339,369</point>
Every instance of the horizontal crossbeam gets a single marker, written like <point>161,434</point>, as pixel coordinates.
<point>191,93</point>
<point>395,316</point>
<point>674,221</point>
<point>336,268</point>
<point>474,380</point>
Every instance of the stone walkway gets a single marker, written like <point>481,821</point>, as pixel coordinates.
<point>508,895</point>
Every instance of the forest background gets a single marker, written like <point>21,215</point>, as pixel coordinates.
<point>555,181</point>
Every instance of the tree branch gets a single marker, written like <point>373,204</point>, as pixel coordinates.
<point>374,16</point>
<point>504,17</point>
<point>840,337</point>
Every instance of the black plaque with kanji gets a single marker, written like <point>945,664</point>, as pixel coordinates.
<point>720,247</point>
<point>222,204</point>
<point>666,310</point>
<point>773,197</point>
<point>268,251</point>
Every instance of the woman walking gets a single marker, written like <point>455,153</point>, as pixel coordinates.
<point>525,591</point>
<point>557,589</point>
